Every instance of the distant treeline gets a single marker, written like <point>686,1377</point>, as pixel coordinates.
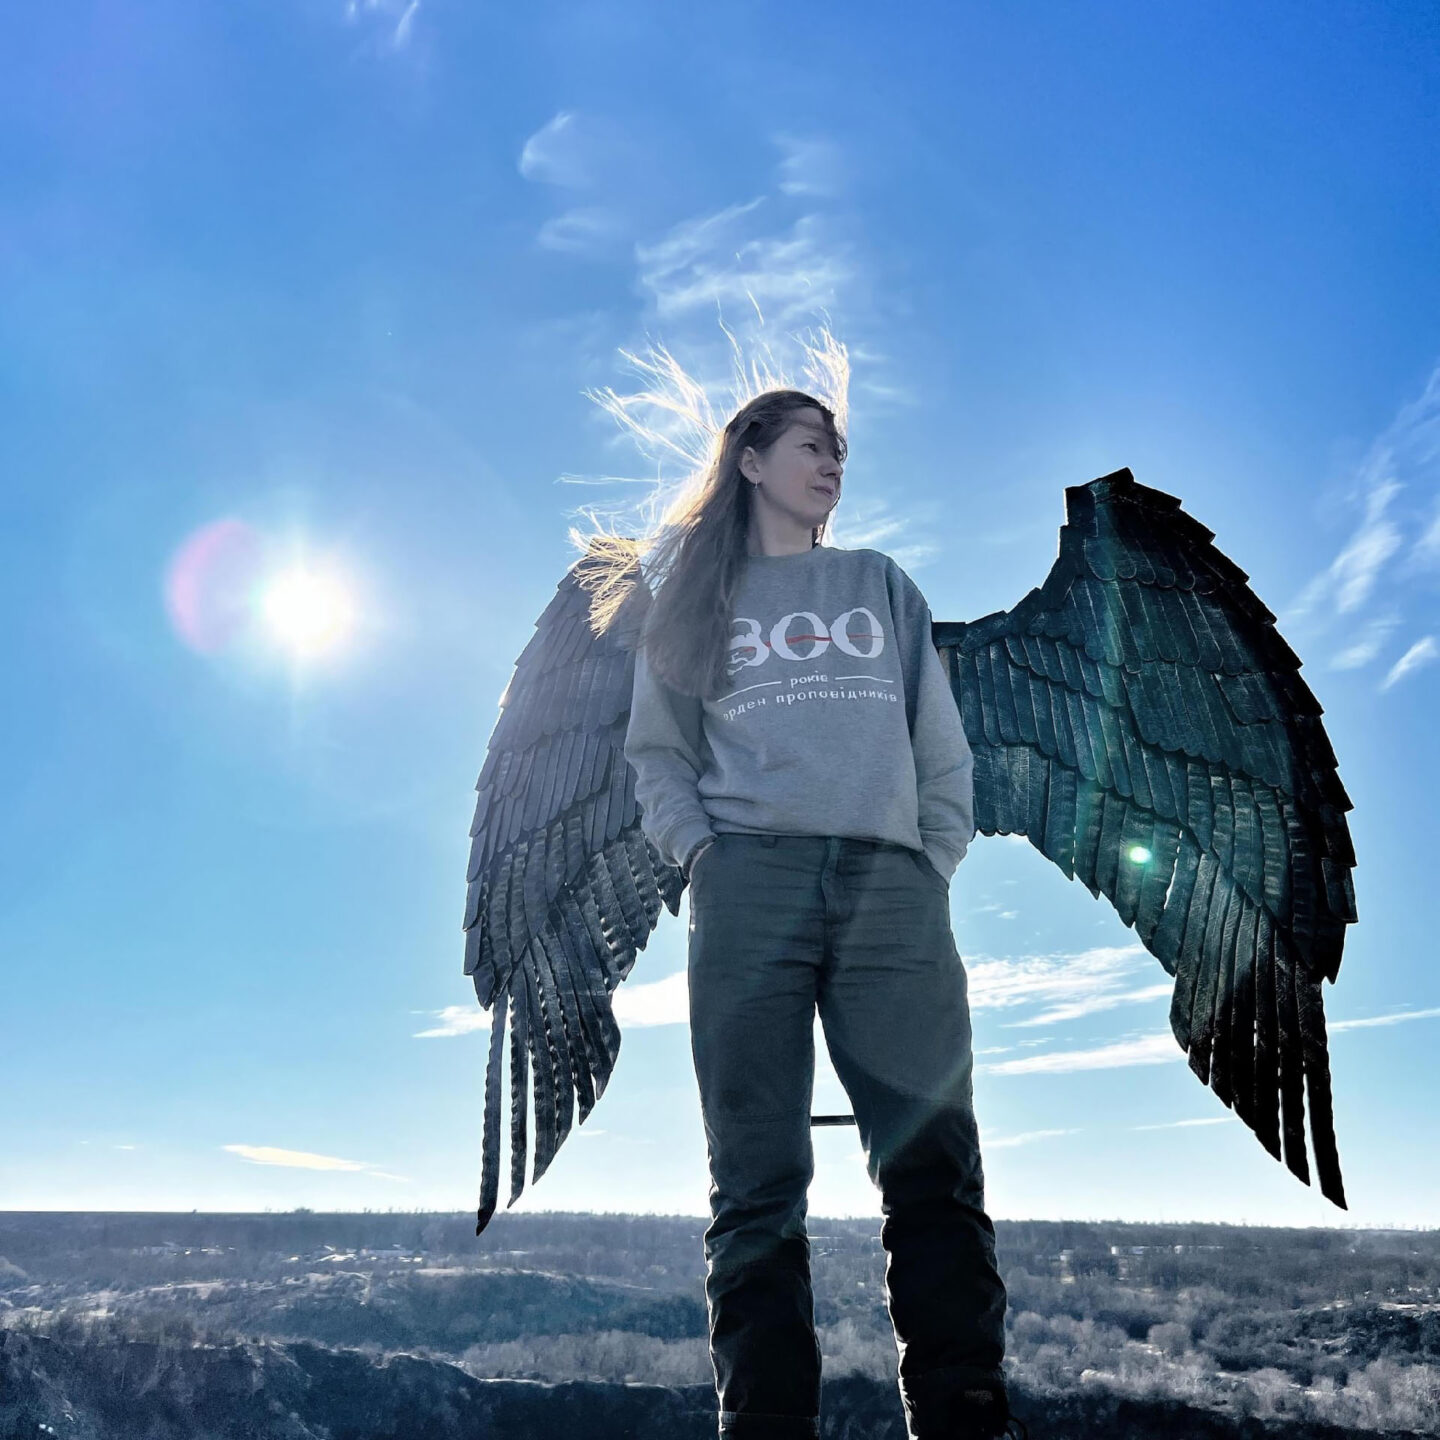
<point>1323,1326</point>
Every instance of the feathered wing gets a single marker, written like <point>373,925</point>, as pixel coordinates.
<point>563,887</point>
<point>1141,720</point>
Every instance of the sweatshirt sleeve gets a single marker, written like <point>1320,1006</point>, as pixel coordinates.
<point>663,742</point>
<point>944,764</point>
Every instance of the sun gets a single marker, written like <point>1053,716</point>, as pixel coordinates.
<point>308,612</point>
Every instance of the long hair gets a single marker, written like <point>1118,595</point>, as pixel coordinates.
<point>696,559</point>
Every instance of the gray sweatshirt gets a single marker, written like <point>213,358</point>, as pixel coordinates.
<point>838,720</point>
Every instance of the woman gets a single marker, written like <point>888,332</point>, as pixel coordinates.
<point>799,754</point>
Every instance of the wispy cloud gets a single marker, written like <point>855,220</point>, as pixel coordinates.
<point>295,1159</point>
<point>711,262</point>
<point>660,1002</point>
<point>1421,653</point>
<point>588,152</point>
<point>1080,979</point>
<point>1150,1050</point>
<point>588,230</point>
<point>1347,581</point>
<point>555,153</point>
<point>657,1002</point>
<point>994,984</point>
<point>455,1020</point>
<point>1426,553</point>
<point>809,166</point>
<point>394,19</point>
<point>585,153</point>
<point>401,35</point>
<point>867,523</point>
<point>1027,1137</point>
<point>732,287</point>
<point>1367,644</point>
<point>1094,1004</point>
<point>305,1160</point>
<point>1186,1124</point>
<point>1399,1017</point>
<point>1394,542</point>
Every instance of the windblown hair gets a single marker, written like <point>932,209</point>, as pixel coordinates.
<point>697,553</point>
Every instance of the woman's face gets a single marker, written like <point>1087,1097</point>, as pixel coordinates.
<point>799,475</point>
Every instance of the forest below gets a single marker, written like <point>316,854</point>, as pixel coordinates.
<point>1245,1331</point>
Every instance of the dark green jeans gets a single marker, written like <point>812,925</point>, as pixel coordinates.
<point>781,925</point>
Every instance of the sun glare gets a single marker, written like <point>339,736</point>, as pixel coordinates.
<point>309,613</point>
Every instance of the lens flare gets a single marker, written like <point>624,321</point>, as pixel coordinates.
<point>210,583</point>
<point>308,612</point>
<point>1139,854</point>
<point>231,588</point>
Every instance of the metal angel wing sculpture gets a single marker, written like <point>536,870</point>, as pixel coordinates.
<point>1138,717</point>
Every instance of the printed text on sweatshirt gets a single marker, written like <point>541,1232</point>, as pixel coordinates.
<point>839,718</point>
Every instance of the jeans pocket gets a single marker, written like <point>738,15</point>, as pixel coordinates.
<point>703,861</point>
<point>931,875</point>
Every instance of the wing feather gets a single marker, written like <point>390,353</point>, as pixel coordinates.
<point>1226,1029</point>
<point>490,1142</point>
<point>1020,690</point>
<point>1198,813</point>
<point>1060,826</point>
<point>543,1068</point>
<point>1157,775</point>
<point>1209,928</point>
<point>1292,1065</point>
<point>1067,748</point>
<point>1135,763</point>
<point>1223,817</point>
<point>1155,882</point>
<point>1115,749</point>
<point>1267,1059</point>
<point>1039,787</point>
<point>1004,700</point>
<point>1089,820</point>
<point>1170,928</point>
<point>1141,703</point>
<point>519,1074</point>
<point>1071,671</point>
<point>1242,1024</point>
<point>1107,857</point>
<point>1317,1085</point>
<point>1046,740</point>
<point>1172,602</point>
<point>565,968</point>
<point>1075,714</point>
<point>1137,828</point>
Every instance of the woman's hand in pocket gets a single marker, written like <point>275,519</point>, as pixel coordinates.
<point>700,850</point>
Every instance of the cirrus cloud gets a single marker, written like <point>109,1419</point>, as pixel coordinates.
<point>306,1160</point>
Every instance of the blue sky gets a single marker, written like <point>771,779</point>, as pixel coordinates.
<point>325,284</point>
